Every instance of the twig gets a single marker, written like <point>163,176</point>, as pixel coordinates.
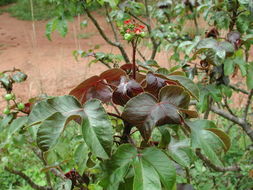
<point>27,179</point>
<point>142,56</point>
<point>11,71</point>
<point>114,115</point>
<point>239,89</point>
<point>111,23</point>
<point>126,133</point>
<point>155,44</point>
<point>241,122</point>
<point>246,110</point>
<point>213,166</point>
<point>137,18</point>
<point>104,36</point>
<point>227,106</point>
<point>56,172</point>
<point>115,108</point>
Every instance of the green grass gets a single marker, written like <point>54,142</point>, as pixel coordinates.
<point>6,2</point>
<point>22,10</point>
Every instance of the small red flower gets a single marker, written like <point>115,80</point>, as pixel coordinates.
<point>141,26</point>
<point>137,31</point>
<point>127,21</point>
<point>128,31</point>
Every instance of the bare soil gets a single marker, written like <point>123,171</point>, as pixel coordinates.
<point>50,65</point>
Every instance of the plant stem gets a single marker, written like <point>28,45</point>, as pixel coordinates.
<point>126,133</point>
<point>134,45</point>
<point>245,113</point>
<point>153,40</point>
<point>213,166</point>
<point>241,122</point>
<point>27,179</point>
<point>103,35</point>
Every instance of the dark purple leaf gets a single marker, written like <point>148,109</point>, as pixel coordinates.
<point>99,87</point>
<point>125,91</point>
<point>112,76</point>
<point>234,38</point>
<point>154,82</point>
<point>146,111</point>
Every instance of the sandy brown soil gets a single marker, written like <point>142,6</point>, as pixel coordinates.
<point>50,65</point>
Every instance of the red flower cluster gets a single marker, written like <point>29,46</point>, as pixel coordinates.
<point>132,26</point>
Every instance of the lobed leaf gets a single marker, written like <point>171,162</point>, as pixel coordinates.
<point>145,111</point>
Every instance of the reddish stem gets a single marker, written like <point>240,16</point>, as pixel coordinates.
<point>134,45</point>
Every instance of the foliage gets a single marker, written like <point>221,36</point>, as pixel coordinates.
<point>6,2</point>
<point>23,9</point>
<point>138,125</point>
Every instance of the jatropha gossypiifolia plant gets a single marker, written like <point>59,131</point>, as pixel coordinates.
<point>135,126</point>
<point>135,138</point>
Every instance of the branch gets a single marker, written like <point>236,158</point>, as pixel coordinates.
<point>246,110</point>
<point>241,122</point>
<point>27,179</point>
<point>213,166</point>
<point>239,89</point>
<point>155,45</point>
<point>114,115</point>
<point>142,56</point>
<point>137,18</point>
<point>227,106</point>
<point>101,32</point>
<point>56,172</point>
<point>111,23</point>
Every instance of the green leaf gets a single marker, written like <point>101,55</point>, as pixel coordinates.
<point>180,151</point>
<point>228,66</point>
<point>158,160</point>
<point>67,105</point>
<point>65,185</point>
<point>16,125</point>
<point>223,136</point>
<point>118,165</point>
<point>249,78</point>
<point>97,129</point>
<point>53,114</point>
<point>202,137</point>
<point>51,129</point>
<point>145,176</point>
<point>236,59</point>
<point>62,27</point>
<point>81,157</point>
<point>19,77</point>
<point>165,138</point>
<point>58,24</point>
<point>188,84</point>
<point>5,122</point>
<point>51,27</point>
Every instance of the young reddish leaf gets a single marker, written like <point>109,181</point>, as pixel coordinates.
<point>112,76</point>
<point>99,91</point>
<point>98,86</point>
<point>190,113</point>
<point>145,111</point>
<point>127,68</point>
<point>93,87</point>
<point>125,91</point>
<point>154,83</point>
